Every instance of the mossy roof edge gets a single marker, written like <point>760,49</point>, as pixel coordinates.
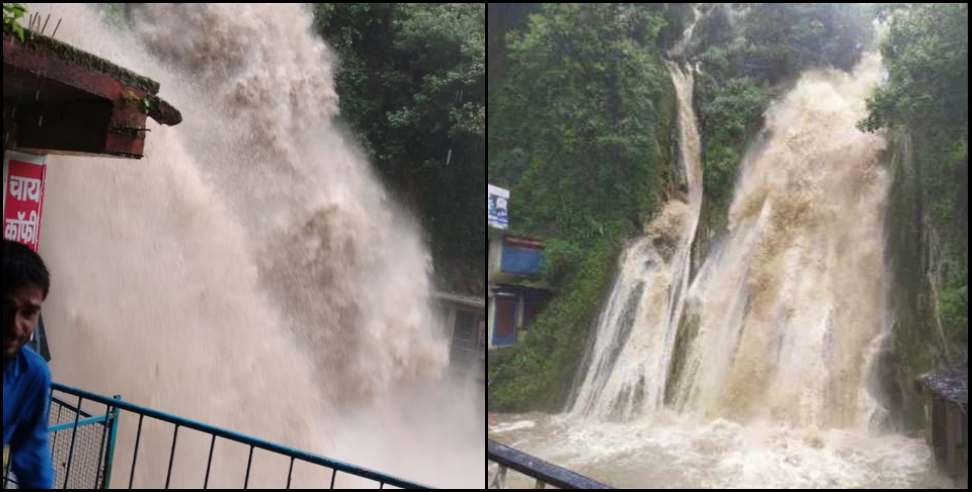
<point>64,51</point>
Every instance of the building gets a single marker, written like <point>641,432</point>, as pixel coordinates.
<point>465,321</point>
<point>516,293</point>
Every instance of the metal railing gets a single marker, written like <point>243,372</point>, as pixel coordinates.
<point>111,417</point>
<point>72,445</point>
<point>545,473</point>
<point>86,443</point>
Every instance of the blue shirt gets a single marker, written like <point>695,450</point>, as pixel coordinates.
<point>26,405</point>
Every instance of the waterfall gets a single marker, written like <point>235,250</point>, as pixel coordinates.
<point>636,332</point>
<point>783,319</point>
<point>250,272</point>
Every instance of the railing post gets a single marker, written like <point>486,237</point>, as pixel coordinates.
<point>57,420</point>
<point>138,437</point>
<point>74,433</point>
<point>249,462</point>
<point>175,437</point>
<point>110,452</point>
<point>209,462</point>
<point>99,475</point>
<point>290,473</point>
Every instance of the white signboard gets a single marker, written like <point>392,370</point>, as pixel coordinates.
<point>497,200</point>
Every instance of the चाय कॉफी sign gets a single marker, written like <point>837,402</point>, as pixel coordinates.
<point>23,198</point>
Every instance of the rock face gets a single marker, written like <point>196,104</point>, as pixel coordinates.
<point>915,254</point>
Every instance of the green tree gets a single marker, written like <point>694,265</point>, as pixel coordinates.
<point>925,99</point>
<point>926,55</point>
<point>412,87</point>
<point>577,120</point>
<point>582,129</point>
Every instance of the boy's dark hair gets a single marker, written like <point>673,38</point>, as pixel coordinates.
<point>20,266</point>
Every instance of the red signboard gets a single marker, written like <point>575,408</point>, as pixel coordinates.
<point>23,199</point>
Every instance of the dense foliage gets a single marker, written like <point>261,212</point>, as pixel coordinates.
<point>578,117</point>
<point>580,129</point>
<point>924,107</point>
<point>927,95</point>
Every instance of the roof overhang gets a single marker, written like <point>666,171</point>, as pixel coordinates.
<point>58,99</point>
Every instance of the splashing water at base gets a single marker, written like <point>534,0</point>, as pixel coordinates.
<point>249,272</point>
<point>670,450</point>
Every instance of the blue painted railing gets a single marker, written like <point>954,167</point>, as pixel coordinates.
<point>91,439</point>
<point>109,422</point>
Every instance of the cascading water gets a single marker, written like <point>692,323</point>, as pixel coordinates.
<point>629,361</point>
<point>759,373</point>
<point>783,314</point>
<point>249,271</point>
<point>779,319</point>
